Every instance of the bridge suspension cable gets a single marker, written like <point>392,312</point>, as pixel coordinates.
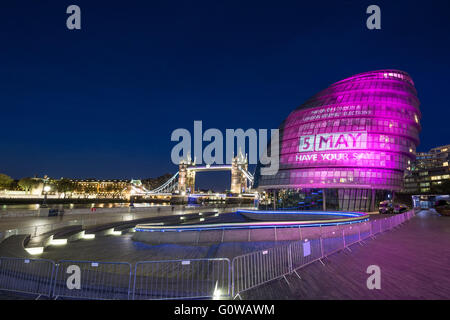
<point>168,186</point>
<point>248,175</point>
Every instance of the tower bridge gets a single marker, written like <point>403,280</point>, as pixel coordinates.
<point>241,179</point>
<point>183,182</point>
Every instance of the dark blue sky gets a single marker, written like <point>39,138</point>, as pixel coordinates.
<point>103,101</point>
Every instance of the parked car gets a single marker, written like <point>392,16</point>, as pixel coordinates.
<point>400,208</point>
<point>386,207</point>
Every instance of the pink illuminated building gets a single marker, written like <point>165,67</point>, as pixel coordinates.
<point>347,147</point>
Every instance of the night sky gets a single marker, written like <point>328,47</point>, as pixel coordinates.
<point>103,101</point>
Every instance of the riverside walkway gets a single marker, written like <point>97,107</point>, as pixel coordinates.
<point>414,262</point>
<point>106,216</point>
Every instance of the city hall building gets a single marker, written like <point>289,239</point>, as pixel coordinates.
<point>348,146</point>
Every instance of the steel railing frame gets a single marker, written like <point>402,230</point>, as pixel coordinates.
<point>385,224</point>
<point>266,263</point>
<point>92,287</point>
<point>11,269</point>
<point>223,262</point>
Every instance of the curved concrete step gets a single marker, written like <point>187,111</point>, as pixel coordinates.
<point>14,246</point>
<point>58,236</point>
<point>121,227</point>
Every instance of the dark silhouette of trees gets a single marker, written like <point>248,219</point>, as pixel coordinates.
<point>28,183</point>
<point>5,181</point>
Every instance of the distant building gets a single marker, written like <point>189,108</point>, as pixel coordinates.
<point>430,169</point>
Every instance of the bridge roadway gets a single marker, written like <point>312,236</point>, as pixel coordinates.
<point>414,261</point>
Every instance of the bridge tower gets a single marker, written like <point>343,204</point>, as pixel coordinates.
<point>186,177</point>
<point>238,179</point>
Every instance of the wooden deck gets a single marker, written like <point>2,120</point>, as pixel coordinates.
<point>414,261</point>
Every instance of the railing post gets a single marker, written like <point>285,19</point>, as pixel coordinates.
<point>343,237</point>
<point>359,232</point>
<point>290,257</point>
<point>321,246</point>
<point>232,278</point>
<point>229,293</point>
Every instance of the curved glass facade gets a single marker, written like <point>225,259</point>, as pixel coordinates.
<point>351,139</point>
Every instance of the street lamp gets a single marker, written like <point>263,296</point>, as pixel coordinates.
<point>46,190</point>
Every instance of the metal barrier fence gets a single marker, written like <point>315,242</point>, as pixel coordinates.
<point>256,268</point>
<point>305,252</point>
<point>351,234</point>
<point>365,230</point>
<point>97,280</point>
<point>182,279</point>
<point>32,276</point>
<point>376,226</point>
<point>332,242</point>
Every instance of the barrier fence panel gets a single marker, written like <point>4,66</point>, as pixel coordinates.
<point>351,234</point>
<point>376,226</point>
<point>394,221</point>
<point>397,220</point>
<point>182,279</point>
<point>365,230</point>
<point>27,275</point>
<point>384,224</point>
<point>256,268</point>
<point>332,241</point>
<point>97,280</point>
<point>304,252</point>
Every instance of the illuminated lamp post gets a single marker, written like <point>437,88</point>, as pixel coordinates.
<point>46,190</point>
